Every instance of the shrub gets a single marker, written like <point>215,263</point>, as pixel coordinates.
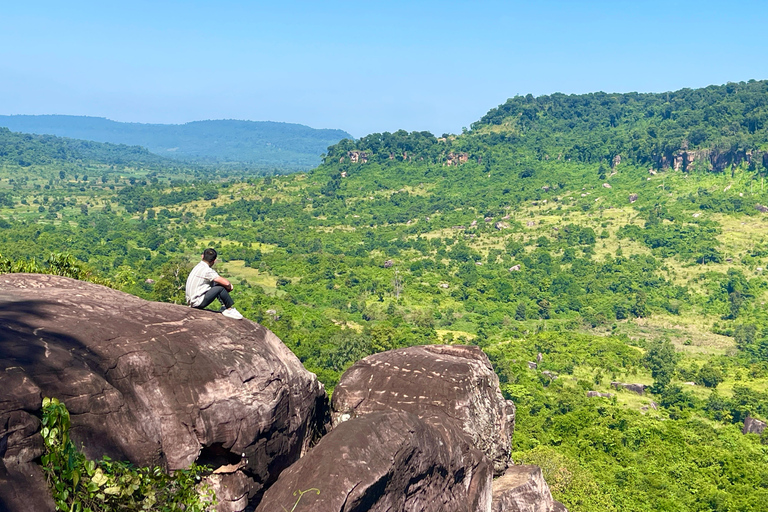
<point>78,484</point>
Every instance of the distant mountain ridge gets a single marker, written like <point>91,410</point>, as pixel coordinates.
<point>257,143</point>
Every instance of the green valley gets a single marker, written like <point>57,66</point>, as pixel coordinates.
<point>581,241</point>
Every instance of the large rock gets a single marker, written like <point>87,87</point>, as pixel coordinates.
<point>441,384</point>
<point>635,388</point>
<point>385,461</point>
<point>156,384</point>
<point>523,489</point>
<point>23,488</point>
<point>753,426</point>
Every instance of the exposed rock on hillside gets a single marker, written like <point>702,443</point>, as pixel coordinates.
<point>148,382</point>
<point>635,388</point>
<point>753,426</point>
<point>442,384</point>
<point>685,160</point>
<point>385,461</point>
<point>523,489</point>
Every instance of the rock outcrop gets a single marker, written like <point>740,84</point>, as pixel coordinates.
<point>456,159</point>
<point>444,385</point>
<point>156,384</point>
<point>415,429</point>
<point>523,489</point>
<point>635,388</point>
<point>753,426</point>
<point>714,160</point>
<point>385,461</point>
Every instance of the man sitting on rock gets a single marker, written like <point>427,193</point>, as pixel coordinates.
<point>204,285</point>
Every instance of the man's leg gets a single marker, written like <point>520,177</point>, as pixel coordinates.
<point>217,292</point>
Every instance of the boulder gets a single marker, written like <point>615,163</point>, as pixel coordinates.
<point>592,394</point>
<point>635,388</point>
<point>441,384</point>
<point>152,383</point>
<point>523,489</point>
<point>386,461</point>
<point>753,426</point>
<point>632,198</point>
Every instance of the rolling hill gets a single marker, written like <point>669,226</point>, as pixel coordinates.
<point>261,144</point>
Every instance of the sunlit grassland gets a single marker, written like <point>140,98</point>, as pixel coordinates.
<point>237,270</point>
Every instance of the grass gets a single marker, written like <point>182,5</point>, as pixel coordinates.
<point>443,333</point>
<point>238,270</point>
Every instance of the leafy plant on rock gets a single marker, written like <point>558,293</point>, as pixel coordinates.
<point>82,485</point>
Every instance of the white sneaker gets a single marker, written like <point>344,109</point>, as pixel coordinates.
<point>232,313</point>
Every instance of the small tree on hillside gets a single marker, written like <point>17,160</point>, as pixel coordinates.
<point>661,359</point>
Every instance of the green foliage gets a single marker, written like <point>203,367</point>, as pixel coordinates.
<point>26,150</point>
<point>84,485</point>
<point>597,454</point>
<point>171,285</point>
<point>710,376</point>
<point>661,359</point>
<point>59,264</point>
<point>642,127</point>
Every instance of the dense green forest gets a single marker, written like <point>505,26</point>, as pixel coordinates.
<point>632,263</point>
<point>231,144</point>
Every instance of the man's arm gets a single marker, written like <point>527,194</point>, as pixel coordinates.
<point>223,282</point>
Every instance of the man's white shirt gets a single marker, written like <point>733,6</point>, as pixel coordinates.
<point>200,280</point>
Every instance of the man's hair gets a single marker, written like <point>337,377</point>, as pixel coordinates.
<point>209,255</point>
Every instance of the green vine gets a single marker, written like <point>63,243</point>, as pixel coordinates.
<point>300,495</point>
<point>82,485</point>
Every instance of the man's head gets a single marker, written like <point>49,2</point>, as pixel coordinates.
<point>209,256</point>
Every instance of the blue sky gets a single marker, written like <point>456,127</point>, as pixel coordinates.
<point>360,66</point>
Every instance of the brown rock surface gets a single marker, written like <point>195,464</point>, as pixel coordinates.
<point>523,489</point>
<point>153,383</point>
<point>753,426</point>
<point>635,388</point>
<point>441,384</point>
<point>385,461</point>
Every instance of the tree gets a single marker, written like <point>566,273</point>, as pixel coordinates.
<point>661,359</point>
<point>710,376</point>
<point>171,283</point>
<point>544,309</point>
